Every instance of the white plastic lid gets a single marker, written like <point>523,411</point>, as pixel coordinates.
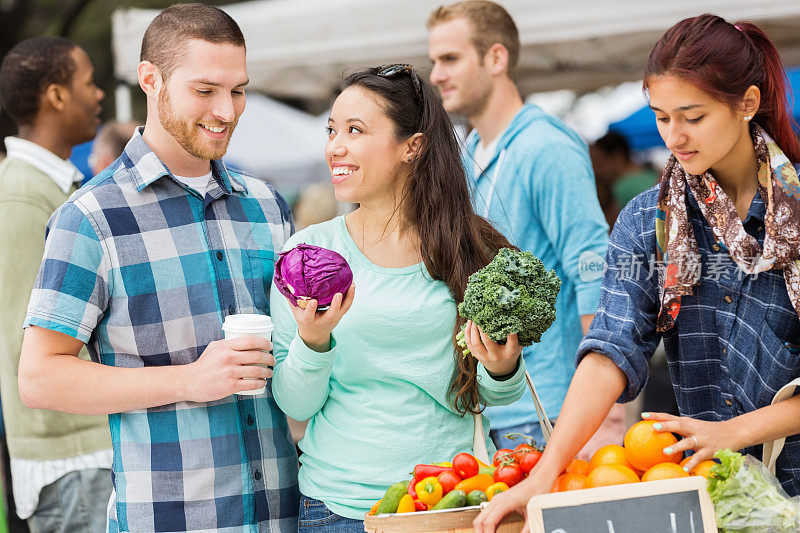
<point>250,323</point>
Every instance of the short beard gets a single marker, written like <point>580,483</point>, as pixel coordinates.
<point>475,107</point>
<point>184,133</point>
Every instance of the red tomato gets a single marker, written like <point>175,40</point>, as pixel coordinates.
<point>465,465</point>
<point>528,460</point>
<point>508,474</point>
<point>448,480</point>
<point>499,455</point>
<point>523,447</point>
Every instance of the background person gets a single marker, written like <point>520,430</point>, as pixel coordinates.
<point>731,195</point>
<point>378,373</point>
<point>143,264</point>
<point>316,203</point>
<point>614,168</point>
<point>110,143</point>
<point>60,463</point>
<point>527,172</point>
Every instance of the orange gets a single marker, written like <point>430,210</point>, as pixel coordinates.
<point>611,474</point>
<point>578,466</point>
<point>703,469</point>
<point>644,446</point>
<point>664,471</point>
<point>609,454</point>
<point>570,481</point>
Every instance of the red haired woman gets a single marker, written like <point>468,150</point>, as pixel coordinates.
<point>725,220</point>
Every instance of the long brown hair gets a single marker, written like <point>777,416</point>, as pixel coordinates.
<point>454,241</point>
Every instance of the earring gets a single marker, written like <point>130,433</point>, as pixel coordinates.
<point>748,117</point>
<point>408,160</point>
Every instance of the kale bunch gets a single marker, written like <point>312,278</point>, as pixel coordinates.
<point>514,293</point>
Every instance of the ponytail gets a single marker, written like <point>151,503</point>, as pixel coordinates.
<point>774,112</point>
<point>724,60</point>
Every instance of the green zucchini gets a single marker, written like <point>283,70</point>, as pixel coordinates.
<point>392,497</point>
<point>453,499</point>
<point>476,497</point>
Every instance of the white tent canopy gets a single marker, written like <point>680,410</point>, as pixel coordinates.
<point>300,48</point>
<point>279,143</point>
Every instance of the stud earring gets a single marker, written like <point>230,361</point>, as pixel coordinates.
<point>408,160</point>
<point>748,117</point>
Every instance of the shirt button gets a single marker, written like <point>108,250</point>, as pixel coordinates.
<point>728,299</point>
<point>715,247</point>
<point>250,420</point>
<point>727,402</point>
<point>724,350</point>
<point>220,255</point>
<point>257,475</point>
<point>761,228</point>
<point>231,310</point>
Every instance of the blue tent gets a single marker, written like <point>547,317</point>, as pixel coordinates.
<point>640,127</point>
<point>80,158</point>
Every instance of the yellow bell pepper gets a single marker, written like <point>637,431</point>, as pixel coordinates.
<point>497,488</point>
<point>406,504</point>
<point>477,482</point>
<point>446,463</point>
<point>429,490</point>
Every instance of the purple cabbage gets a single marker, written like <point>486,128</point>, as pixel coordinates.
<point>309,272</point>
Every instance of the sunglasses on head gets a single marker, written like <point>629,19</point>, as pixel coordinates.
<point>388,71</point>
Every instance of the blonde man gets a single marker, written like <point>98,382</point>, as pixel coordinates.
<point>528,171</point>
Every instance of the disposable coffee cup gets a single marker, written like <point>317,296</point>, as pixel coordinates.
<point>248,324</point>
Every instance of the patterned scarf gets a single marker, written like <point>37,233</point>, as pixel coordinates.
<point>677,247</point>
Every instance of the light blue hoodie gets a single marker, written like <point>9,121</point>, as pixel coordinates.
<point>539,191</point>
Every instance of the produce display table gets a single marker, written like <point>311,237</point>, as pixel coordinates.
<point>444,521</point>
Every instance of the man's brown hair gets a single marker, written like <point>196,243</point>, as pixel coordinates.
<point>164,42</point>
<point>490,22</point>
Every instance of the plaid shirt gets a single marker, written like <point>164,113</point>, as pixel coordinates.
<point>144,270</point>
<point>734,344</point>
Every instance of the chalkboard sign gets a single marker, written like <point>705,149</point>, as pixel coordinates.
<point>667,506</point>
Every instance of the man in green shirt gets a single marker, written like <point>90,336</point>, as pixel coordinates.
<point>59,462</point>
<point>619,178</point>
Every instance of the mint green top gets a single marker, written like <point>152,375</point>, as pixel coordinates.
<point>377,401</point>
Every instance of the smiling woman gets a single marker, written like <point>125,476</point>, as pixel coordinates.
<point>377,373</point>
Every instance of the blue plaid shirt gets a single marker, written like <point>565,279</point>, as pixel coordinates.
<point>144,270</point>
<point>734,344</point>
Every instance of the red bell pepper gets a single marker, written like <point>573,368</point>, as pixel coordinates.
<point>423,471</point>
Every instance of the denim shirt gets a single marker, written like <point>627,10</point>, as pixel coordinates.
<point>734,344</point>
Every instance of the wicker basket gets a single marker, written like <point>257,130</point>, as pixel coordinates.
<point>444,521</point>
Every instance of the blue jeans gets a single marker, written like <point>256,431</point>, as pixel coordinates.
<point>315,517</point>
<point>76,501</point>
<point>531,430</point>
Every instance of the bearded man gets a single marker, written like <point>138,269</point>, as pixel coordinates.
<point>142,265</point>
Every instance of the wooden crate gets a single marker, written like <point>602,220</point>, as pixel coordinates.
<point>444,521</point>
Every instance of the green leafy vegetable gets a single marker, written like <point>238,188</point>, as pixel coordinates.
<point>748,498</point>
<point>514,293</point>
